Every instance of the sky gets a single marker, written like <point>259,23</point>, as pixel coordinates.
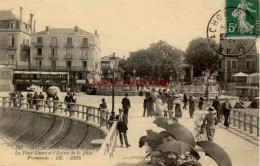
<point>124,25</point>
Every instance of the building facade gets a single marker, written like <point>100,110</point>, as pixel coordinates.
<point>15,39</point>
<point>74,51</point>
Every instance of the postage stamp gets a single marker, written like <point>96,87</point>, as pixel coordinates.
<point>242,18</point>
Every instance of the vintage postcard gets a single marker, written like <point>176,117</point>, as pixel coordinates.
<point>129,82</point>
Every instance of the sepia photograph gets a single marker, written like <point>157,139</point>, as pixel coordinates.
<point>129,82</point>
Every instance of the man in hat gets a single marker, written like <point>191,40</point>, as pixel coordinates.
<point>126,105</point>
<point>226,112</point>
<point>210,121</point>
<point>122,127</point>
<point>216,105</point>
<point>103,105</point>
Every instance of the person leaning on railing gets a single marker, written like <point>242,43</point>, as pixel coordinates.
<point>55,98</point>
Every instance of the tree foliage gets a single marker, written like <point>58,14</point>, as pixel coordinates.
<point>201,55</point>
<point>155,61</point>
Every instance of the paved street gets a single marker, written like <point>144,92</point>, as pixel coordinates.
<point>236,143</point>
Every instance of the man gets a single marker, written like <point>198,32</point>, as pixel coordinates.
<point>126,105</point>
<point>226,111</point>
<point>35,100</point>
<point>103,105</point>
<point>55,105</point>
<point>191,106</point>
<point>122,127</point>
<point>216,105</point>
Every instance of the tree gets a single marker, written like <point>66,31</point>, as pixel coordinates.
<point>155,61</point>
<point>201,55</point>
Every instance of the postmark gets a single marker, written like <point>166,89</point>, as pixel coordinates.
<point>225,35</point>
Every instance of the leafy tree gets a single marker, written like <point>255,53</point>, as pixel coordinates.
<point>201,55</point>
<point>156,61</point>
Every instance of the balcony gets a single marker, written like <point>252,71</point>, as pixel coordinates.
<point>84,45</point>
<point>54,45</point>
<point>50,68</point>
<point>38,44</point>
<point>246,84</point>
<point>53,57</point>
<point>11,47</point>
<point>38,56</point>
<point>68,57</point>
<point>69,45</point>
<point>26,47</point>
<point>84,57</point>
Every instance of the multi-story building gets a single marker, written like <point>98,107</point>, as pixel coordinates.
<point>247,63</point>
<point>72,51</point>
<point>15,38</point>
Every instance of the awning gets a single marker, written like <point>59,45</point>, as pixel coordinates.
<point>40,72</point>
<point>254,75</point>
<point>240,74</point>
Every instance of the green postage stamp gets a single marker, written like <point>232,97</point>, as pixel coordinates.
<point>242,18</point>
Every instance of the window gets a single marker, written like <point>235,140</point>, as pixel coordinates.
<point>39,40</point>
<point>69,51</point>
<point>84,64</point>
<point>253,65</point>
<point>247,64</point>
<point>11,25</point>
<point>12,41</point>
<point>68,64</point>
<point>53,65</point>
<point>234,64</point>
<point>54,40</point>
<point>39,51</point>
<point>27,42</point>
<point>69,40</point>
<point>80,75</point>
<point>84,53</point>
<point>39,63</point>
<point>53,52</point>
<point>85,41</point>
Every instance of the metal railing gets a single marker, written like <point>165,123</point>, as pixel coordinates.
<point>245,120</point>
<point>96,116</point>
<point>50,68</point>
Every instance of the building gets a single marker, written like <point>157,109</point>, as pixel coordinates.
<point>15,38</point>
<point>6,74</point>
<point>74,52</point>
<point>247,63</point>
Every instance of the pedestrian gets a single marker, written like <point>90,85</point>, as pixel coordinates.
<point>41,97</point>
<point>28,99</point>
<point>185,100</point>
<point>20,98</point>
<point>191,106</point>
<point>145,105</point>
<point>122,127</point>
<point>55,105</point>
<point>150,106</point>
<point>210,121</point>
<point>177,102</point>
<point>126,105</point>
<point>170,106</point>
<point>103,105</point>
<point>35,100</point>
<point>216,105</point>
<point>31,100</point>
<point>226,111</point>
<point>201,103</point>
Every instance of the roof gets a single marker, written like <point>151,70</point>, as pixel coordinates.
<point>64,31</point>
<point>240,74</point>
<point>254,75</point>
<point>107,58</point>
<point>7,15</point>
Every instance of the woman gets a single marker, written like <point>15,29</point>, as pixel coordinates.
<point>185,100</point>
<point>191,106</point>
<point>210,121</point>
<point>201,103</point>
<point>170,106</point>
<point>177,102</point>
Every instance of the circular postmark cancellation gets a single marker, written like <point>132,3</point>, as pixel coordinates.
<point>226,34</point>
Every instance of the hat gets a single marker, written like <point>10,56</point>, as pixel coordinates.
<point>211,108</point>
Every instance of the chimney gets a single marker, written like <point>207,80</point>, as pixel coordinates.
<point>96,32</point>
<point>31,21</point>
<point>21,15</point>
<point>34,27</point>
<point>76,29</point>
<point>47,29</point>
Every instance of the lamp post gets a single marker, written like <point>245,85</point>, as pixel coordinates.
<point>207,74</point>
<point>182,78</point>
<point>113,67</point>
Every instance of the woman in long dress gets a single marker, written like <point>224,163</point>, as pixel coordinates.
<point>240,13</point>
<point>178,112</point>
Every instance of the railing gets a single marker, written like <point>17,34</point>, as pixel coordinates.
<point>38,56</point>
<point>69,45</point>
<point>68,56</point>
<point>38,44</point>
<point>54,44</point>
<point>245,120</point>
<point>246,84</point>
<point>50,68</point>
<point>96,116</point>
<point>51,56</point>
<point>84,45</point>
<point>107,148</point>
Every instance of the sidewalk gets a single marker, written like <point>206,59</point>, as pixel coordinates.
<point>243,149</point>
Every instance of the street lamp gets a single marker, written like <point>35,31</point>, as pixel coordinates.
<point>113,67</point>
<point>207,74</point>
<point>182,78</point>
